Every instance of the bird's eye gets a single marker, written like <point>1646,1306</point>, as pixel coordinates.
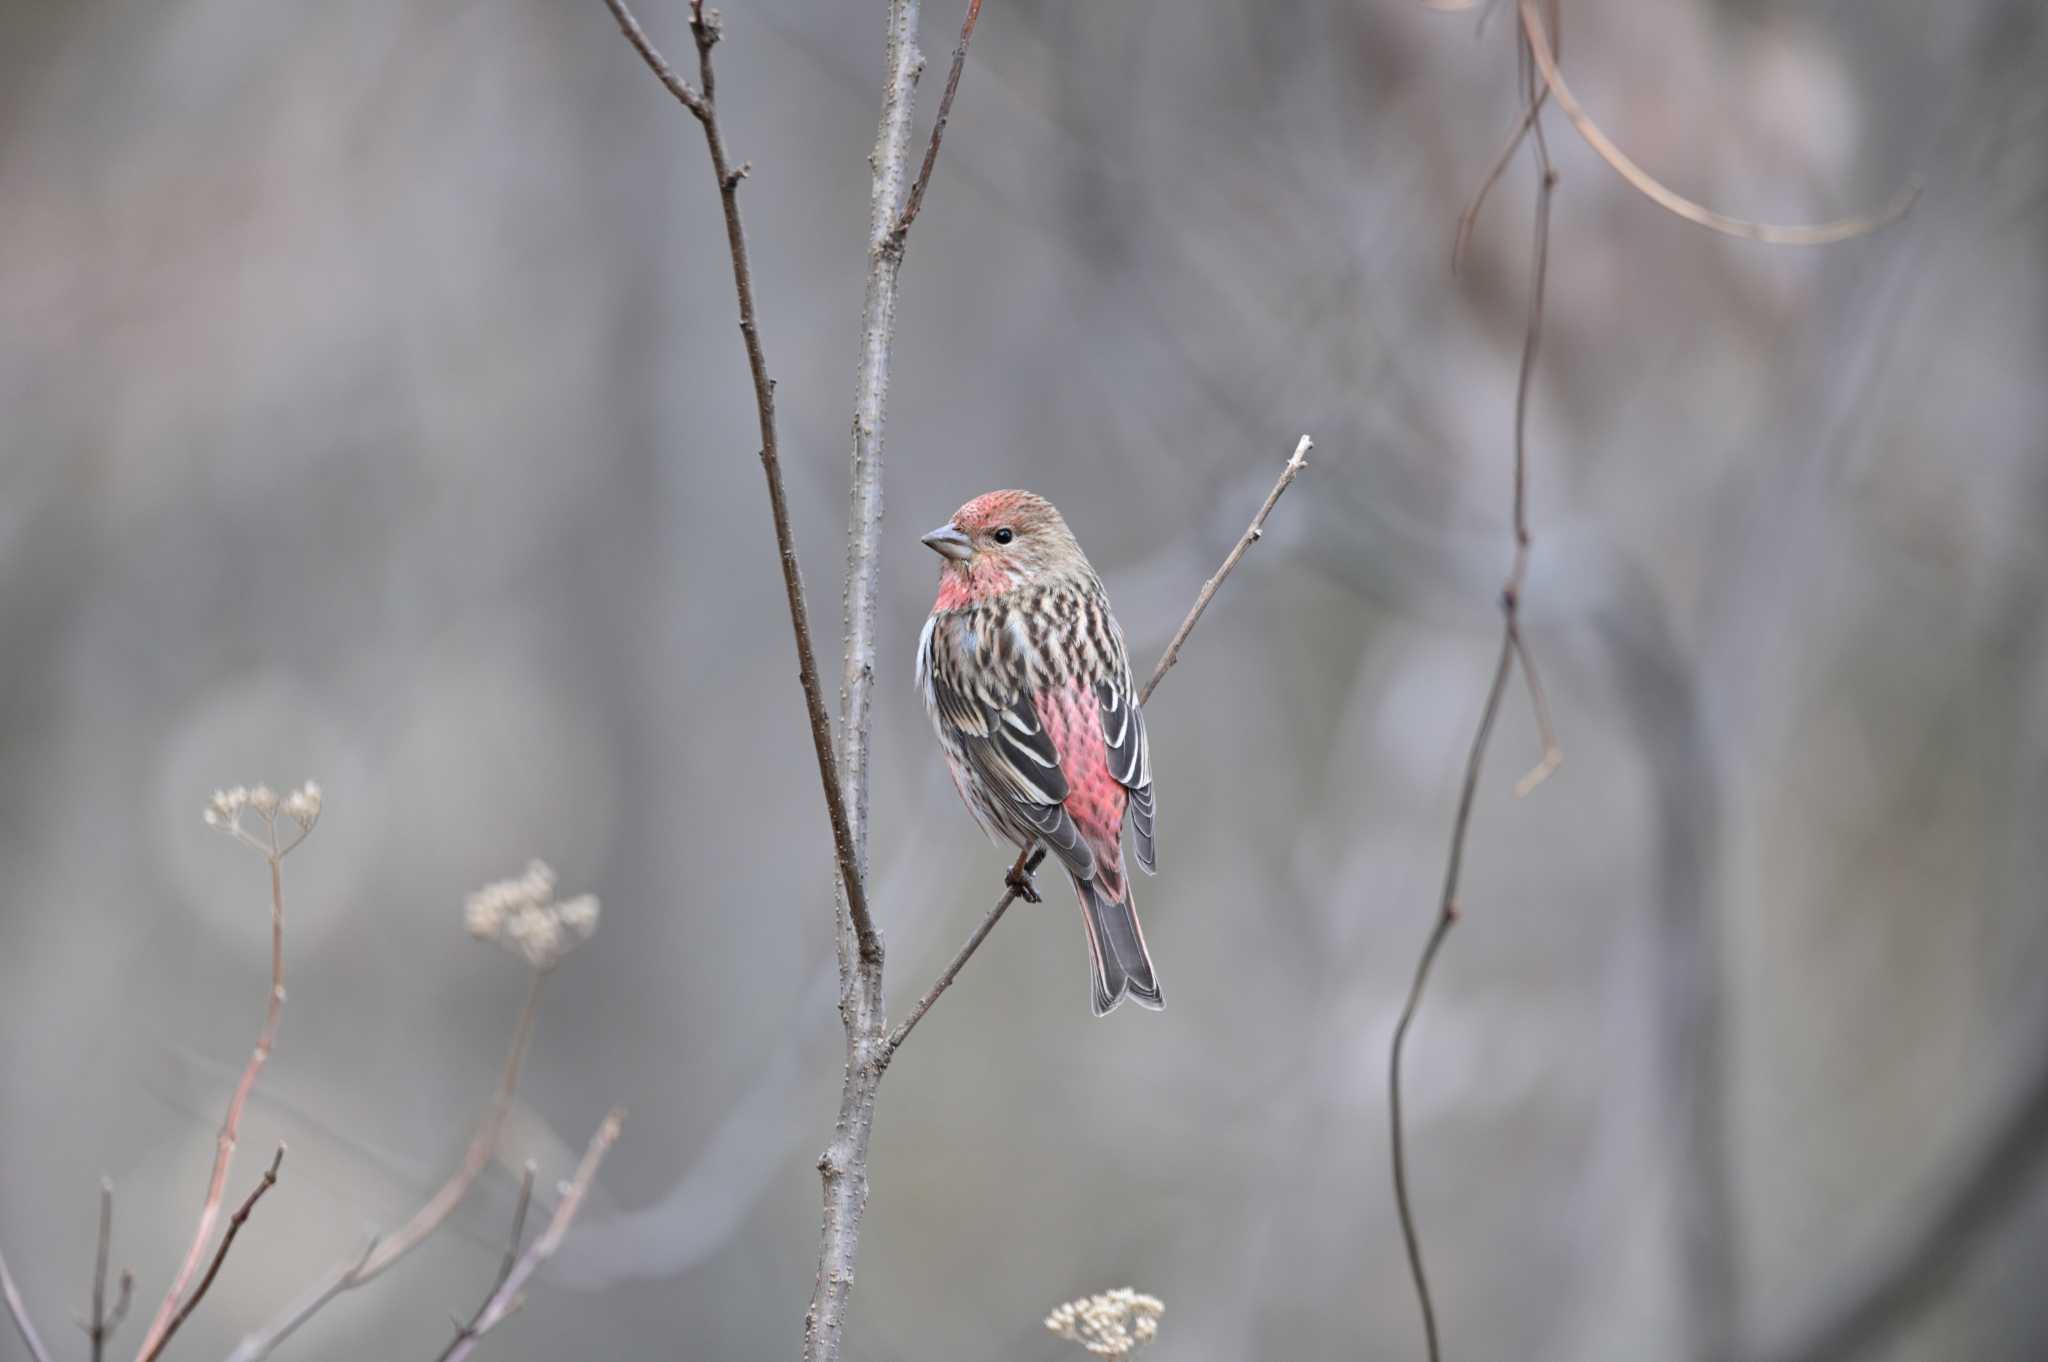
<point>1003,536</point>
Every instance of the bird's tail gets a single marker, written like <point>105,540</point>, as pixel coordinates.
<point>1116,946</point>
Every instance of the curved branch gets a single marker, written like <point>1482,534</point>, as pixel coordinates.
<point>1646,184</point>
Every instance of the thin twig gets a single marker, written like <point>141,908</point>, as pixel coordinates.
<point>220,1255</point>
<point>1253,533</point>
<point>386,1250</point>
<point>122,1299</point>
<point>1468,219</point>
<point>511,1260</point>
<point>100,1327</point>
<point>506,1293</point>
<point>19,1313</point>
<point>230,1130</point>
<point>1650,187</point>
<point>931,152</point>
<point>1553,754</point>
<point>96,1331</point>
<point>702,103</point>
<point>1510,647</point>
<point>959,960</point>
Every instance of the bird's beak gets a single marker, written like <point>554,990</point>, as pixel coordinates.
<point>948,542</point>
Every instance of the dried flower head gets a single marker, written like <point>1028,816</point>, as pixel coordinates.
<point>302,806</point>
<point>522,915</point>
<point>1111,1324</point>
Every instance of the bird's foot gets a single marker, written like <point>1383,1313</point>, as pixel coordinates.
<point>1020,882</point>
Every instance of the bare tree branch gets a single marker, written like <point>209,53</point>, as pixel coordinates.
<point>220,1255</point>
<point>931,152</point>
<point>96,1328</point>
<point>519,1209</point>
<point>1654,190</point>
<point>1992,1189</point>
<point>505,1294</point>
<point>702,102</point>
<point>1253,533</point>
<point>224,1148</point>
<point>843,1167</point>
<point>1510,647</point>
<point>384,1251</point>
<point>100,1326</point>
<point>19,1313</point>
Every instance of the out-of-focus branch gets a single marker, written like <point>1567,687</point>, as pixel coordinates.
<point>519,1209</point>
<point>1990,1192</point>
<point>506,1293</point>
<point>386,1250</point>
<point>702,103</point>
<point>220,1255</point>
<point>1651,188</point>
<point>18,1312</point>
<point>230,1130</point>
<point>1511,647</point>
<point>1020,880</point>
<point>102,1323</point>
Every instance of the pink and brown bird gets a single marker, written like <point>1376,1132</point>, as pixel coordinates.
<point>1024,672</point>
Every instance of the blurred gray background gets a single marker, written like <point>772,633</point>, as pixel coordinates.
<point>374,412</point>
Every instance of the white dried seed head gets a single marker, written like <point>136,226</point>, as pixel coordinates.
<point>1109,1324</point>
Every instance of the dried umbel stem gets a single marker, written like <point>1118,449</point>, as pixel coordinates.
<point>487,915</point>
<point>280,825</point>
<point>1110,1324</point>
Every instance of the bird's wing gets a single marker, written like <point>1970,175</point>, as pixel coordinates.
<point>1130,757</point>
<point>1012,757</point>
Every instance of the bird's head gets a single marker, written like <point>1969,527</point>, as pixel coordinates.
<point>1003,540</point>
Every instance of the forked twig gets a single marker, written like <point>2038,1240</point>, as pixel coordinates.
<point>220,1255</point>
<point>931,152</point>
<point>505,1295</point>
<point>1253,533</point>
<point>385,1250</point>
<point>102,1323</point>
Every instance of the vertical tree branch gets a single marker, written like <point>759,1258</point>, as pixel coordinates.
<point>95,1332</point>
<point>230,1130</point>
<point>889,163</point>
<point>702,104</point>
<point>1510,647</point>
